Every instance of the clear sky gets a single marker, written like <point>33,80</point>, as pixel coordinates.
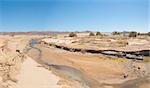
<point>74,15</point>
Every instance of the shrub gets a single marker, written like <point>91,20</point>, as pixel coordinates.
<point>132,34</point>
<point>98,34</point>
<point>91,34</point>
<point>115,33</point>
<point>148,33</point>
<point>72,34</point>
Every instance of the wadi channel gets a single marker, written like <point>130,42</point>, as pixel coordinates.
<point>75,62</point>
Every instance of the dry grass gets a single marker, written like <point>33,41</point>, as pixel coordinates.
<point>146,59</point>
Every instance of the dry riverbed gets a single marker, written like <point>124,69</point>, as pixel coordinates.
<point>43,66</point>
<point>94,71</point>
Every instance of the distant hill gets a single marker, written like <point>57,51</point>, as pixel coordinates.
<point>32,33</point>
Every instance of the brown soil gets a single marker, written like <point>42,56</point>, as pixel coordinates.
<point>96,69</point>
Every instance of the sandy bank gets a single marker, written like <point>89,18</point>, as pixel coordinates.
<point>19,71</point>
<point>32,75</point>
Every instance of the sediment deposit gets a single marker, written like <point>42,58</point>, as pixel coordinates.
<point>80,62</point>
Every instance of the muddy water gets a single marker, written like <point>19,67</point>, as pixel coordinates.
<point>87,82</point>
<point>75,74</point>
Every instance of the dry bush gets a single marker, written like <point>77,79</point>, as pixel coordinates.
<point>91,34</point>
<point>122,42</point>
<point>115,33</point>
<point>72,34</point>
<point>133,34</point>
<point>148,33</point>
<point>98,34</point>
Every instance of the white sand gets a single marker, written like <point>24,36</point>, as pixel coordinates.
<point>32,76</point>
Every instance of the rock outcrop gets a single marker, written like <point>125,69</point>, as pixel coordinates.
<point>10,61</point>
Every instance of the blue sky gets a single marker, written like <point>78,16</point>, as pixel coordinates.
<point>74,15</point>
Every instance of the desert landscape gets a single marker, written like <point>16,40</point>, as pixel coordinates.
<point>75,60</point>
<point>74,44</point>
